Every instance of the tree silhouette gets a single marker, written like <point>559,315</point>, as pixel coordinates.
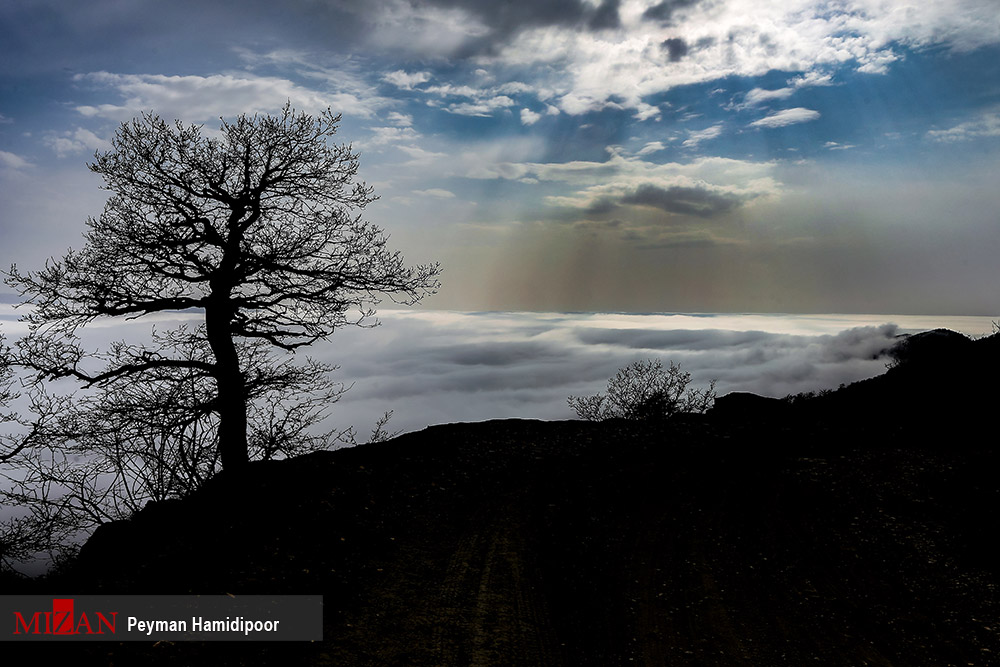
<point>257,227</point>
<point>71,463</point>
<point>645,390</point>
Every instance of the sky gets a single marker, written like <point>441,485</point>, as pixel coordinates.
<point>635,156</point>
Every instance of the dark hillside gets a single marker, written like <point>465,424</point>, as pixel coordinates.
<point>849,529</point>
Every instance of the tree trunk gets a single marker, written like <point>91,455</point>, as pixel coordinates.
<point>231,398</point>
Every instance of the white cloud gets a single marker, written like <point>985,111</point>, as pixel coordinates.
<point>419,156</point>
<point>630,170</point>
<point>787,117</point>
<point>206,98</point>
<point>400,119</point>
<point>422,28</point>
<point>77,141</point>
<point>13,161</point>
<point>482,108</point>
<point>515,88</point>
<point>437,193</point>
<point>760,95</point>
<point>484,101</point>
<point>392,135</point>
<point>646,111</point>
<point>834,146</point>
<point>695,137</point>
<point>986,125</point>
<point>877,62</point>
<point>405,80</point>
<point>451,90</point>
<point>740,38</point>
<point>651,147</point>
<point>813,78</point>
<point>529,117</point>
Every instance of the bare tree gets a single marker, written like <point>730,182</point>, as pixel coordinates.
<point>259,229</point>
<point>22,431</point>
<point>25,424</point>
<point>645,390</point>
<point>71,463</point>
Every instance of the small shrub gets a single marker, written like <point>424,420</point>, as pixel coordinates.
<point>645,390</point>
<point>805,396</point>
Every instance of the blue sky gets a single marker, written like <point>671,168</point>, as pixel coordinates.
<point>618,155</point>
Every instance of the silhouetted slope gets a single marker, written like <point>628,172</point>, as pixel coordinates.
<point>838,534</point>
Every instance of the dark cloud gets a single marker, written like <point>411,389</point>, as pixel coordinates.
<point>606,16</point>
<point>677,199</point>
<point>664,11</point>
<point>676,48</point>
<point>506,19</point>
<point>683,200</point>
<point>603,206</point>
<point>509,17</point>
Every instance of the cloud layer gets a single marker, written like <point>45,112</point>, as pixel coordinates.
<point>437,367</point>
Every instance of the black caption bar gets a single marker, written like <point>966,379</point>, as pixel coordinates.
<point>161,618</point>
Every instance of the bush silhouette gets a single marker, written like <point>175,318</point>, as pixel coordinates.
<point>645,390</point>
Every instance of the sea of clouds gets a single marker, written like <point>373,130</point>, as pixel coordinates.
<point>433,367</point>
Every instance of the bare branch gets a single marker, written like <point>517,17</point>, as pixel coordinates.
<point>644,390</point>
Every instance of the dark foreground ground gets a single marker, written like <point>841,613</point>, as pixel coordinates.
<point>850,529</point>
